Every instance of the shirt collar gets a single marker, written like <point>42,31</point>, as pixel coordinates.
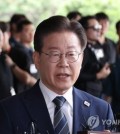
<point>50,95</point>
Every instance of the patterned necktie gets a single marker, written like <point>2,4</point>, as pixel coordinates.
<point>60,121</point>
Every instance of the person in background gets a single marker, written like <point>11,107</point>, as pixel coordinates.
<point>22,53</point>
<point>6,79</point>
<point>111,91</point>
<point>26,29</point>
<point>107,44</point>
<point>112,87</point>
<point>14,35</point>
<point>23,76</point>
<point>95,67</point>
<point>53,105</point>
<point>8,68</point>
<point>74,15</point>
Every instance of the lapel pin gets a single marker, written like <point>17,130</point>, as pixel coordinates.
<point>86,103</point>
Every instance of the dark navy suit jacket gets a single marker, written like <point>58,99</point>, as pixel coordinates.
<point>28,110</point>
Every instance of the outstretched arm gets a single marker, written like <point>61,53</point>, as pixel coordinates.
<point>21,74</point>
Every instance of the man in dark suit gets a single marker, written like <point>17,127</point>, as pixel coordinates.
<point>53,105</point>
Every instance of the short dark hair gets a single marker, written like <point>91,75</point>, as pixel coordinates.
<point>73,14</point>
<point>84,21</point>
<point>4,26</point>
<point>101,16</point>
<point>58,24</point>
<point>15,19</point>
<point>22,23</point>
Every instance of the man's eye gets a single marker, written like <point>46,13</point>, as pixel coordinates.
<point>55,54</point>
<point>71,54</point>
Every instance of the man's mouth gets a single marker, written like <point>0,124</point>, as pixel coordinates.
<point>63,75</point>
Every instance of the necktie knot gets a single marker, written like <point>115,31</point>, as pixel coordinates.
<point>59,101</point>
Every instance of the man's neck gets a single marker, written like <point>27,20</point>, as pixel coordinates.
<point>101,39</point>
<point>91,42</point>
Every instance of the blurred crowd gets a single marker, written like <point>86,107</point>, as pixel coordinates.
<point>100,73</point>
<point>17,69</point>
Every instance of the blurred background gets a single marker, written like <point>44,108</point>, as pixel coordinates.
<point>37,10</point>
<point>103,52</point>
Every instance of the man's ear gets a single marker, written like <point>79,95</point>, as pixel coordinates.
<point>36,59</point>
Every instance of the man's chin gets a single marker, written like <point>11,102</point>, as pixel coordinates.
<point>64,88</point>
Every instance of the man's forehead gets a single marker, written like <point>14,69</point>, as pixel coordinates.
<point>56,47</point>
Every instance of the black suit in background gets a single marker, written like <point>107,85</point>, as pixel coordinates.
<point>92,64</point>
<point>112,86</point>
<point>6,78</point>
<point>22,56</point>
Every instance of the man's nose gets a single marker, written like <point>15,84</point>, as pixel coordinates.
<point>63,60</point>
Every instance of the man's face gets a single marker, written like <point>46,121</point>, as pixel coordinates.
<point>27,34</point>
<point>61,75</point>
<point>105,26</point>
<point>93,31</point>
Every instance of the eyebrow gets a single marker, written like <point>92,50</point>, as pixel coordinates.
<point>58,47</point>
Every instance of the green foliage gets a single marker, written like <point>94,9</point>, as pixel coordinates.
<point>37,10</point>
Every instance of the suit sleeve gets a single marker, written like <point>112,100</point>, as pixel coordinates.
<point>5,124</point>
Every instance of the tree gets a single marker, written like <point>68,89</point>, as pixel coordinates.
<point>38,10</point>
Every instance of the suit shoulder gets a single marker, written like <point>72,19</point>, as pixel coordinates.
<point>86,96</point>
<point>17,99</point>
<point>12,101</point>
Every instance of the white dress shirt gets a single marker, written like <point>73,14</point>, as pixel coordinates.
<point>67,107</point>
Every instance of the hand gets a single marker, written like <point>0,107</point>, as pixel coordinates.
<point>104,72</point>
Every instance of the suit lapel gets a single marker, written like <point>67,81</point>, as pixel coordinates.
<point>81,111</point>
<point>37,109</point>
